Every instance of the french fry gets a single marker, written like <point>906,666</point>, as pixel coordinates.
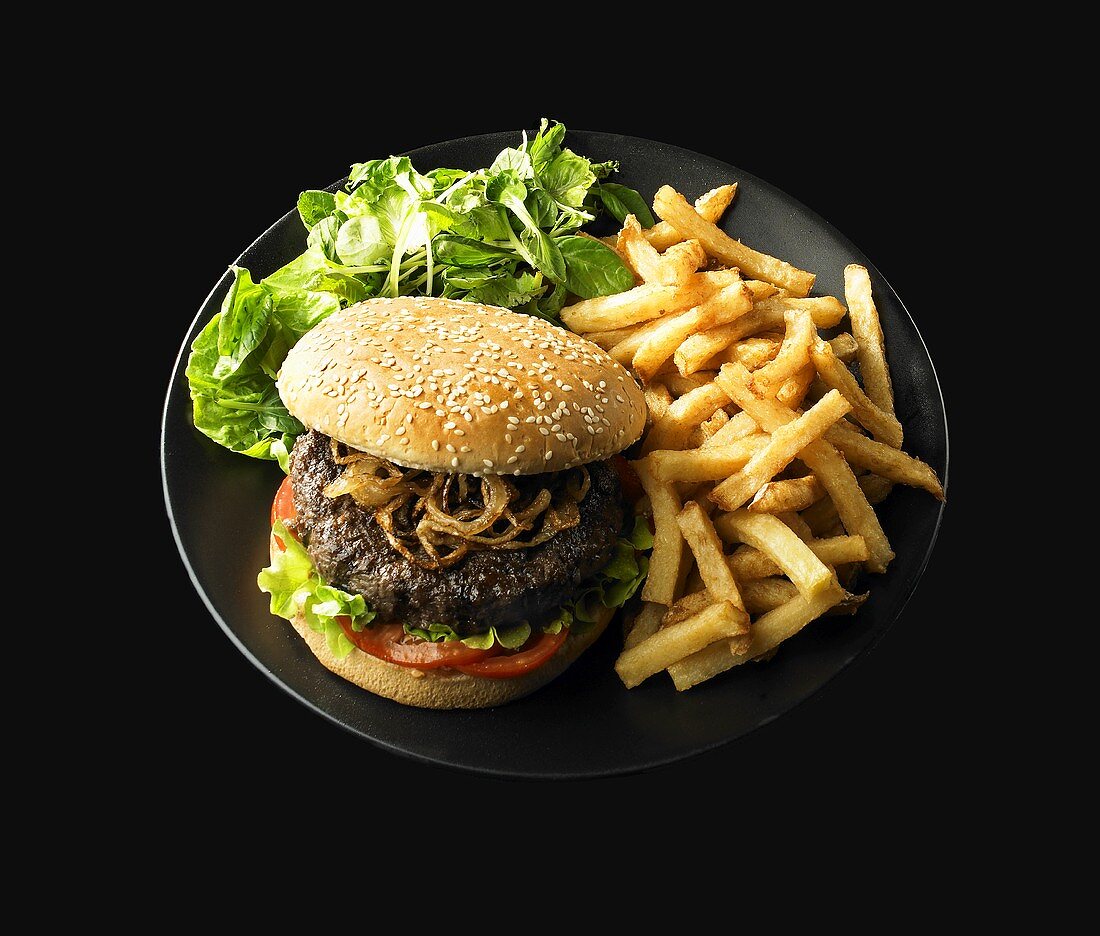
<point>672,207</point>
<point>640,304</point>
<point>710,427</point>
<point>668,543</point>
<point>778,542</point>
<point>786,442</point>
<point>882,425</point>
<point>748,563</point>
<point>867,331</point>
<point>703,541</point>
<point>711,206</point>
<point>659,345</point>
<point>822,459</point>
<point>822,516</point>
<point>641,256</point>
<point>767,594</point>
<point>771,629</point>
<point>696,352</point>
<point>681,385</point>
<point>883,460</point>
<point>710,464</point>
<point>646,623</point>
<point>680,261</point>
<point>844,347</point>
<point>687,606</point>
<point>793,392</point>
<point>801,527</point>
<point>793,494</point>
<point>673,643</point>
<point>658,401</point>
<point>754,353</point>
<point>768,632</point>
<point>793,356</point>
<point>674,427</point>
<point>740,426</point>
<point>609,338</point>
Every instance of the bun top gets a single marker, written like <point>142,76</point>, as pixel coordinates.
<point>460,387</point>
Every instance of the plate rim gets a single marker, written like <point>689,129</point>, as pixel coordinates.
<point>860,653</point>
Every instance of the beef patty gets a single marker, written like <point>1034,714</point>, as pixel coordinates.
<point>491,588</point>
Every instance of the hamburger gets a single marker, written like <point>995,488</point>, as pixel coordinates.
<point>453,531</point>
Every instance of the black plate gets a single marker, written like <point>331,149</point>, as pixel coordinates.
<point>585,723</point>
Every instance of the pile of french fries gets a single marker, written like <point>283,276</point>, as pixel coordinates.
<point>763,453</point>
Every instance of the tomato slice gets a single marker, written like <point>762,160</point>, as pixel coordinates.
<point>537,651</point>
<point>282,508</point>
<point>390,642</point>
<point>628,478</point>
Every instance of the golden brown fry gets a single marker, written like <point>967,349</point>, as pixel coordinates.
<point>659,344</point>
<point>793,392</point>
<point>793,356</point>
<point>703,541</point>
<point>844,347</point>
<point>754,353</point>
<point>767,594</point>
<point>793,494</point>
<point>641,256</point>
<point>668,543</point>
<point>882,425</point>
<point>748,563</point>
<point>680,261</point>
<point>611,337</point>
<point>640,304</point>
<point>658,401</point>
<point>787,440</point>
<point>778,542</point>
<point>822,516</point>
<point>646,623</point>
<point>711,206</point>
<point>883,460</point>
<point>867,331</point>
<point>673,643</point>
<point>710,427</point>
<point>672,207</point>
<point>739,427</point>
<point>675,427</point>
<point>822,459</point>
<point>697,351</point>
<point>801,527</point>
<point>710,464</point>
<point>681,385</point>
<point>687,606</point>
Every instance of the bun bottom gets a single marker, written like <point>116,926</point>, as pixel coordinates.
<point>446,688</point>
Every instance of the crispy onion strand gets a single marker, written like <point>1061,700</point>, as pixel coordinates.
<point>434,520</point>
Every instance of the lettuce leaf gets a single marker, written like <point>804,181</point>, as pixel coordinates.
<point>294,585</point>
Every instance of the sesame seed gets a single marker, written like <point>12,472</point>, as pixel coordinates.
<point>450,448</point>
<point>512,460</point>
<point>460,432</point>
<point>549,454</point>
<point>454,462</point>
<point>487,463</point>
<point>448,425</point>
<point>520,449</point>
<point>435,445</point>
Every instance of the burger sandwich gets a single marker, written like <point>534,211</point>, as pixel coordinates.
<point>454,531</point>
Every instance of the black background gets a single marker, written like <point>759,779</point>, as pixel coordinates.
<point>876,174</point>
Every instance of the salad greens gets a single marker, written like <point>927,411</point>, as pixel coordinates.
<point>505,236</point>
<point>295,585</point>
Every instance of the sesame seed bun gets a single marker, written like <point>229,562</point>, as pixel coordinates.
<point>460,387</point>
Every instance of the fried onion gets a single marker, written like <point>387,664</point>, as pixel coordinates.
<point>434,520</point>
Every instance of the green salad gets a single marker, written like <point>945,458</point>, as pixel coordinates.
<point>505,235</point>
